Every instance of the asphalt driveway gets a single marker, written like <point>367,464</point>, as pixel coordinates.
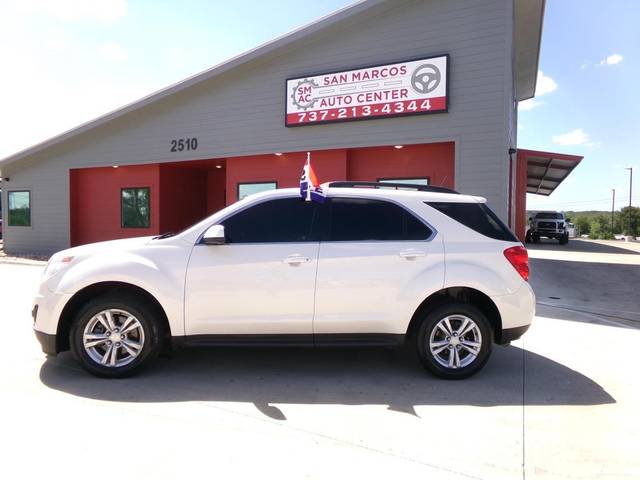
<point>560,403</point>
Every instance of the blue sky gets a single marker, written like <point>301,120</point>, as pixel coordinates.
<point>73,60</point>
<point>594,109</point>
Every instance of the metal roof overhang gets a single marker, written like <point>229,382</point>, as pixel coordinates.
<point>546,170</point>
<point>528,18</point>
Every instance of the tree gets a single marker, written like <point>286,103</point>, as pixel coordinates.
<point>583,224</point>
<point>623,221</point>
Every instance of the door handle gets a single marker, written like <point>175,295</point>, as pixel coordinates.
<point>411,254</point>
<point>295,260</point>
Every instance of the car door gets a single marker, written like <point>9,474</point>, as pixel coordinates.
<point>378,261</point>
<point>262,279</point>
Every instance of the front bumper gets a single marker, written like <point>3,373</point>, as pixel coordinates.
<point>508,335</point>
<point>552,233</point>
<point>47,342</point>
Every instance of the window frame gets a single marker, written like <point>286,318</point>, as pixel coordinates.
<point>259,182</point>
<point>314,220</point>
<point>122,225</point>
<point>9,223</point>
<point>393,179</point>
<point>327,237</point>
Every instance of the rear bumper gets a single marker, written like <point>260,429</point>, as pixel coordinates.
<point>47,342</point>
<point>516,313</point>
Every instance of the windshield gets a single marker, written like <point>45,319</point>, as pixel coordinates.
<point>550,215</point>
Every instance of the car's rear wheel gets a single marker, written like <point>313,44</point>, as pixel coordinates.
<point>454,341</point>
<point>114,336</point>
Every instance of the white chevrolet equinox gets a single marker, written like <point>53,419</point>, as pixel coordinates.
<point>374,264</point>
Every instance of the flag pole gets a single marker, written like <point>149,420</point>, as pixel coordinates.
<point>308,177</point>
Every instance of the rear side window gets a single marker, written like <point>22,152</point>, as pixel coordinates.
<point>359,219</point>
<point>476,216</point>
<point>274,221</point>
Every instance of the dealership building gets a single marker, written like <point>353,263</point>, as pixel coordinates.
<point>419,91</point>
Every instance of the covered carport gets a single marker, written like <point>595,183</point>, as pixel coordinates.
<point>539,173</point>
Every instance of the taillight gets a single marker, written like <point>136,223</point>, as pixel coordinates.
<point>519,258</point>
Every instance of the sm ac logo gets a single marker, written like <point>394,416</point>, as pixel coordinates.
<point>303,95</point>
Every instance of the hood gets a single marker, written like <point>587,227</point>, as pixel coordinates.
<point>101,247</point>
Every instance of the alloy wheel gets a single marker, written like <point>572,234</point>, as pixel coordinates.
<point>113,338</point>
<point>455,341</point>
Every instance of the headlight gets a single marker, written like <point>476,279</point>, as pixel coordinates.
<point>56,265</point>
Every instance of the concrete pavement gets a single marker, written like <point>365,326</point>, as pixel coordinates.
<point>561,403</point>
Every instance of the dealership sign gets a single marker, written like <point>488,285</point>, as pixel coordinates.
<point>404,88</point>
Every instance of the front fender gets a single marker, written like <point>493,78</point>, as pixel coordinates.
<point>164,279</point>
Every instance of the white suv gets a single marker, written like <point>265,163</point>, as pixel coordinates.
<point>375,264</point>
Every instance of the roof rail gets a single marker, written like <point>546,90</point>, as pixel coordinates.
<point>396,186</point>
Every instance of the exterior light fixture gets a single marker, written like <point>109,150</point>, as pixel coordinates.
<point>398,147</point>
<point>115,166</point>
<point>218,166</point>
<point>278,154</point>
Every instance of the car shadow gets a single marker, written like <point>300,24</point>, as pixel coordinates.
<point>365,376</point>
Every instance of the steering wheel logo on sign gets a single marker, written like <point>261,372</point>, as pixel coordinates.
<point>426,78</point>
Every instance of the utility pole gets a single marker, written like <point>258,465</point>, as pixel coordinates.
<point>613,207</point>
<point>630,188</point>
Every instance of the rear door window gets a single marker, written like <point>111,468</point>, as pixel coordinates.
<point>360,219</point>
<point>478,217</point>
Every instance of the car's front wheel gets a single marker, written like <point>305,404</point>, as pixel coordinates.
<point>114,336</point>
<point>454,341</point>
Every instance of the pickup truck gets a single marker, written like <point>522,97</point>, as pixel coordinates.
<point>549,225</point>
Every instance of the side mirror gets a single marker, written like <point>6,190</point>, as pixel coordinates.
<point>530,219</point>
<point>214,235</point>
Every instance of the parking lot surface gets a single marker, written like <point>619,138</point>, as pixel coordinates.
<point>560,403</point>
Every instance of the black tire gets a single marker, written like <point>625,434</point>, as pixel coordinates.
<point>564,239</point>
<point>430,323</point>
<point>535,238</point>
<point>527,237</point>
<point>135,306</point>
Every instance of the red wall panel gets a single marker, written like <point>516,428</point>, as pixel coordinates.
<point>521,196</point>
<point>216,190</point>
<point>436,161</point>
<point>185,192</point>
<point>183,197</point>
<point>95,202</point>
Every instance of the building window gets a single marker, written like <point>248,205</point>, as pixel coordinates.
<point>20,209</point>
<point>135,206</point>
<point>249,188</point>
<point>414,181</point>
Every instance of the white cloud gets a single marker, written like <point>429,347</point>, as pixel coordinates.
<point>545,84</point>
<point>529,104</point>
<point>574,137</point>
<point>611,60</point>
<point>102,10</point>
<point>114,52</point>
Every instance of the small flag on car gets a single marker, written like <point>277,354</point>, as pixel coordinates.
<point>309,186</point>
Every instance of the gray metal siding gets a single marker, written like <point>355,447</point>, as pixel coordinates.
<point>241,112</point>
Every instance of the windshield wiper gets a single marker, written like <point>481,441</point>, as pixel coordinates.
<point>164,235</point>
